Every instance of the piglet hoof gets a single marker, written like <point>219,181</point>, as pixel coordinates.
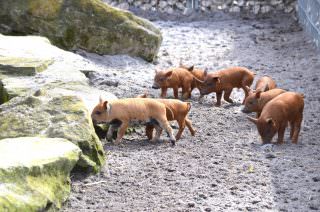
<point>230,101</point>
<point>154,140</point>
<point>193,133</point>
<point>116,142</point>
<point>217,104</point>
<point>279,142</point>
<point>173,142</point>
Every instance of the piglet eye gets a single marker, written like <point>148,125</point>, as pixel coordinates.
<point>98,113</point>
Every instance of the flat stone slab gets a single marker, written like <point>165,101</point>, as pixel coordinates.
<point>34,172</point>
<point>23,66</point>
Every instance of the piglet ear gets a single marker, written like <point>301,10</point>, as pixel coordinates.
<point>253,120</point>
<point>216,79</point>
<point>169,73</point>
<point>266,88</point>
<point>191,68</point>
<point>269,121</point>
<point>105,105</point>
<point>258,94</point>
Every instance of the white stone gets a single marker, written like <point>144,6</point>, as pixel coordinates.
<point>275,2</point>
<point>163,4</point>
<point>256,9</point>
<point>234,9</point>
<point>124,6</point>
<point>265,9</point>
<point>288,9</point>
<point>169,10</point>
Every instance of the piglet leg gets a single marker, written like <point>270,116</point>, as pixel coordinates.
<point>121,132</point>
<point>176,92</point>
<point>158,134</point>
<point>165,125</point>
<point>149,131</point>
<point>297,127</point>
<point>219,95</point>
<point>189,125</point>
<point>182,125</point>
<point>163,92</point>
<point>281,131</point>
<point>227,94</point>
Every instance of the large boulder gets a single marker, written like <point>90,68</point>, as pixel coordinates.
<point>82,24</point>
<point>50,113</point>
<point>34,173</point>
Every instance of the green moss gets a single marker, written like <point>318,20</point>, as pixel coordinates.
<point>87,24</point>
<point>23,66</point>
<point>39,182</point>
<point>53,116</point>
<point>48,9</point>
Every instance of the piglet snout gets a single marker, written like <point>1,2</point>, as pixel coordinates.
<point>245,110</point>
<point>155,87</point>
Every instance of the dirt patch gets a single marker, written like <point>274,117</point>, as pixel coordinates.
<point>224,167</point>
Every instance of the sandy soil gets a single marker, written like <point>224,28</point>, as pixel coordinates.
<point>224,167</point>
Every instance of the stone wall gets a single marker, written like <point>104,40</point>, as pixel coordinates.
<point>255,7</point>
<point>309,17</point>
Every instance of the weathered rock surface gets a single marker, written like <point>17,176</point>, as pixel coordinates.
<point>53,103</point>
<point>86,24</point>
<point>34,172</point>
<point>22,66</point>
<point>49,113</point>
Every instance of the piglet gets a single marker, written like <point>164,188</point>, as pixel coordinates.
<point>176,110</point>
<point>174,78</point>
<point>274,118</point>
<point>224,81</point>
<point>120,113</point>
<point>197,73</point>
<point>265,83</point>
<point>258,99</point>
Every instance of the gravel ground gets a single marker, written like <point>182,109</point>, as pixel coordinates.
<point>224,167</point>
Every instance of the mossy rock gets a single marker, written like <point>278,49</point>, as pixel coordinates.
<point>48,115</point>
<point>23,66</point>
<point>82,24</point>
<point>34,173</point>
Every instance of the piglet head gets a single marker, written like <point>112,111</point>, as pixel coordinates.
<point>100,112</point>
<point>161,79</point>
<point>266,128</point>
<point>209,84</point>
<point>251,103</point>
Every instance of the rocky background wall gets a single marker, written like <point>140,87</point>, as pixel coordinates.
<point>256,7</point>
<point>309,17</point>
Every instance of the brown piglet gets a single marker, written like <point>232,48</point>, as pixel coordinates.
<point>265,83</point>
<point>119,113</point>
<point>224,81</point>
<point>258,99</point>
<point>197,73</point>
<point>277,113</point>
<point>174,78</point>
<point>178,111</point>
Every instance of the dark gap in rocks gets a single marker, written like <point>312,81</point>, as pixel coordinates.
<point>4,96</point>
